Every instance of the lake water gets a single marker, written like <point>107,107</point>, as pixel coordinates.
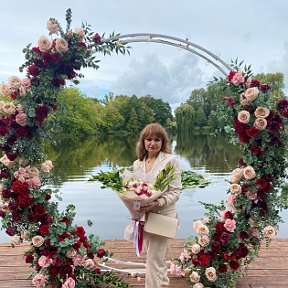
<point>76,162</point>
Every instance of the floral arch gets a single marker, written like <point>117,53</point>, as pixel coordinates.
<point>61,252</point>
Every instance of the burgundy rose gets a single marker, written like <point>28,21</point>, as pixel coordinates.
<point>36,50</point>
<point>234,265</point>
<point>44,230</point>
<point>57,82</point>
<point>82,44</point>
<point>90,255</point>
<point>97,270</point>
<point>241,162</point>
<point>97,38</point>
<point>222,268</point>
<point>264,88</point>
<point>229,257</point>
<point>86,245</point>
<point>29,258</point>
<point>11,156</point>
<point>14,95</point>
<point>228,215</point>
<point>255,150</point>
<point>39,209</point>
<point>244,235</point>
<point>77,245</point>
<point>101,253</point>
<point>4,174</point>
<point>225,238</point>
<point>65,269</point>
<point>16,217</point>
<point>79,231</point>
<point>242,251</point>
<point>2,214</point>
<point>13,205</point>
<point>3,131</point>
<point>203,260</point>
<point>254,83</point>
<point>42,112</point>
<point>33,70</point>
<point>216,247</point>
<point>53,272</point>
<point>66,220</point>
<point>252,132</point>
<point>10,231</point>
<point>245,188</point>
<point>63,236</point>
<point>219,226</point>
<point>47,197</point>
<point>35,81</point>
<point>6,194</point>
<point>26,201</point>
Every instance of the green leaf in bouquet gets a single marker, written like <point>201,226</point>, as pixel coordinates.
<point>164,178</point>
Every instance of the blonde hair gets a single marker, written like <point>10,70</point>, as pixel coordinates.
<point>153,129</point>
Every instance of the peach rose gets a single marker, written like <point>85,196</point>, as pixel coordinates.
<point>203,240</point>
<point>202,229</point>
<point>235,188</point>
<point>39,280</point>
<point>269,231</point>
<point>211,274</point>
<point>238,173</point>
<point>69,283</point>
<point>37,241</point>
<point>44,44</point>
<point>237,79</point>
<point>194,277</point>
<point>251,93</point>
<point>69,34</point>
<point>196,248</point>
<point>9,108</point>
<point>244,102</point>
<point>23,162</point>
<point>44,261</point>
<point>5,90</point>
<point>15,240</point>
<point>196,223</point>
<point>230,225</point>
<point>244,117</point>
<point>198,285</point>
<point>249,173</point>
<point>260,123</point>
<point>32,171</point>
<point>261,112</point>
<point>80,32</point>
<point>14,82</point>
<point>89,264</point>
<point>6,161</point>
<point>71,252</point>
<point>21,119</point>
<point>52,27</point>
<point>46,166</point>
<point>22,92</point>
<point>61,45</point>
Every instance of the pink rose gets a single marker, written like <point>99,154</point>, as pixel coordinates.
<point>195,248</point>
<point>198,285</point>
<point>5,90</point>
<point>244,117</point>
<point>202,229</point>
<point>35,182</point>
<point>39,280</point>
<point>9,108</point>
<point>69,283</point>
<point>32,171</point>
<point>230,225</point>
<point>231,200</point>
<point>237,79</point>
<point>235,188</point>
<point>52,27</point>
<point>269,231</point>
<point>21,119</point>
<point>251,195</point>
<point>173,269</point>
<point>78,260</point>
<point>26,83</point>
<point>44,261</point>
<point>249,173</point>
<point>37,241</point>
<point>196,223</point>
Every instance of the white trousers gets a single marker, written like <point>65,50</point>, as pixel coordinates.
<point>156,267</point>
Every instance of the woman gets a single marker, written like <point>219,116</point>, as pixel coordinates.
<point>154,154</point>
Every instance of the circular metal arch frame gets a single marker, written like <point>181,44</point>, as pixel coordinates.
<point>207,55</point>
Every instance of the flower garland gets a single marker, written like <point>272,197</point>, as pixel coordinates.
<point>61,252</point>
<point>229,238</point>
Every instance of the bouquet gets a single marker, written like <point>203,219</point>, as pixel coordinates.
<point>135,192</point>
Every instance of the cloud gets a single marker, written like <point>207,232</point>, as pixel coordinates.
<point>171,82</point>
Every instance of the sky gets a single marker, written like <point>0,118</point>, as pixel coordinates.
<point>252,30</point>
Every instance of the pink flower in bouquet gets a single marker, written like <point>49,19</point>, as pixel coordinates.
<point>39,280</point>
<point>14,82</point>
<point>237,79</point>
<point>194,277</point>
<point>69,283</point>
<point>44,261</point>
<point>211,274</point>
<point>78,260</point>
<point>230,225</point>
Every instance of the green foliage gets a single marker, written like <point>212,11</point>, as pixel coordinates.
<point>191,179</point>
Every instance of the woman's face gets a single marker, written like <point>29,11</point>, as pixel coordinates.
<point>153,144</point>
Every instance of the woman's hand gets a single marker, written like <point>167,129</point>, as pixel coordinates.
<point>149,206</point>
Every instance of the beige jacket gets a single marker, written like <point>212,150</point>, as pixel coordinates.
<point>172,193</point>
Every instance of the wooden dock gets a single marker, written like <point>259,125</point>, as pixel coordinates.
<point>270,270</point>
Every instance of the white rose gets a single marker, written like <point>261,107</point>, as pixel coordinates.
<point>202,229</point>
<point>195,277</point>
<point>211,274</point>
<point>44,44</point>
<point>61,45</point>
<point>47,166</point>
<point>196,248</point>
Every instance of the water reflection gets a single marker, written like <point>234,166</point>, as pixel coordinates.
<point>213,153</point>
